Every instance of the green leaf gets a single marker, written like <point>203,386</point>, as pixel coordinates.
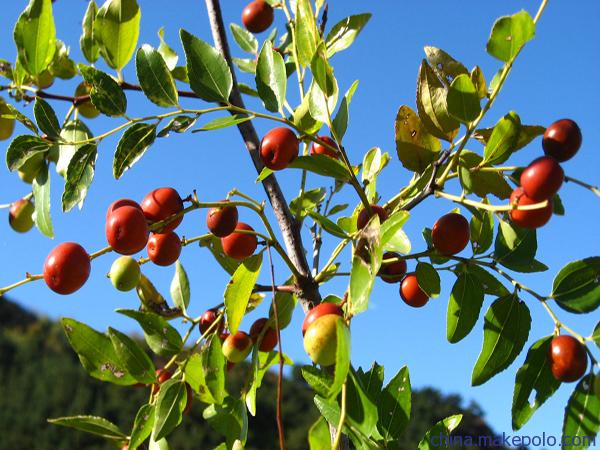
<point>131,147</point>
<point>374,162</point>
<point>261,362</point>
<point>307,34</point>
<point>394,405</point>
<point>229,419</point>
<point>142,425</point>
<point>490,284</point>
<point>162,338</point>
<point>318,435</point>
<point>213,366</point>
<point>244,38</point>
<point>515,247</point>
<point>62,66</point>
<point>322,165</point>
<point>576,287</point>
<point>463,99</point>
<point>96,353</point>
<point>155,78</point>
<point>478,79</point>
<point>432,105</point>
<point>73,131</point>
<point>238,290</point>
<point>87,42</point>
<point>503,140</point>
<point>46,118</point>
<point>482,231</point>
<point>116,29</point>
<point>320,105</point>
<point>441,430</point>
<point>160,444</point>
<point>245,64</point>
<point>170,404</point>
<point>80,174</point>
<point>464,306</point>
<point>582,414</point>
<point>35,36</point>
<point>213,244</point>
<point>505,331</point>
<point>14,113</point>
<point>303,120</point>
<point>337,208</point>
<point>180,287</point>
<point>362,413</point>
<point>340,121</point>
<point>428,279</point>
<point>366,261</point>
<point>132,357</point>
<point>317,379</point>
<point>328,225</point>
<point>178,124</point>
<point>322,71</point>
<point>527,133</point>
<point>416,148</point>
<point>209,74</point>
<point>342,358</point>
<point>481,182</point>
<point>509,35</point>
<point>41,196</point>
<point>91,424</point>
<point>534,375</point>
<point>196,378</point>
<point>393,237</point>
<point>345,32</point>
<point>106,95</point>
<point>224,122</point>
<point>22,148</point>
<point>286,303</point>
<point>596,334</point>
<point>445,66</point>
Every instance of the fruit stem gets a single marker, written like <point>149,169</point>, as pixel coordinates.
<point>592,188</point>
<point>488,207</point>
<point>338,433</point>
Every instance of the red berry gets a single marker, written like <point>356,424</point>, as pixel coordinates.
<point>257,16</point>
<point>542,178</point>
<point>269,340</point>
<point>240,245</point>
<point>567,358</point>
<point>411,293</point>
<point>321,149</point>
<point>532,218</point>
<point>562,140</point>
<point>127,230</point>
<point>450,234</point>
<point>164,249</point>
<point>189,400</point>
<point>67,268</point>
<point>162,203</point>
<point>363,216</point>
<point>222,221</point>
<point>278,148</point>
<point>208,318</point>
<point>162,375</point>
<point>322,309</point>
<point>392,272</point>
<point>121,202</point>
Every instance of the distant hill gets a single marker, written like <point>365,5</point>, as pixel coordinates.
<point>41,377</point>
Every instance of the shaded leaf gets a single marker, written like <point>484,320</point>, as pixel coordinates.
<point>170,404</point>
<point>394,405</point>
<point>576,287</point>
<point>503,140</point>
<point>87,41</point>
<point>91,424</point>
<point>582,414</point>
<point>244,38</point>
<point>428,279</point>
<point>162,338</point>
<point>105,94</point>
<point>46,117</point>
<point>132,357</point>
<point>463,99</point>
<point>80,174</point>
<point>22,148</point>
<point>481,182</point>
<point>131,147</point>
<point>155,78</point>
<point>464,307</point>
<point>416,148</point>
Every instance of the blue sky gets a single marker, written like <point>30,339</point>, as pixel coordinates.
<point>552,79</point>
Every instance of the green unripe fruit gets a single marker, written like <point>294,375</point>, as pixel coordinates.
<point>30,168</point>
<point>20,215</point>
<point>86,109</point>
<point>44,80</point>
<point>7,125</point>
<point>125,273</point>
<point>320,340</point>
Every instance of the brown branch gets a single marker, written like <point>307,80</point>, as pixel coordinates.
<point>308,291</point>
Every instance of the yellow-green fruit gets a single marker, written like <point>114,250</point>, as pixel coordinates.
<point>597,384</point>
<point>44,80</point>
<point>320,340</point>
<point>237,347</point>
<point>125,273</point>
<point>29,170</point>
<point>86,109</point>
<point>20,215</point>
<point>7,126</point>
<point>148,294</point>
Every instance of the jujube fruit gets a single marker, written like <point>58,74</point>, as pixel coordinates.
<point>269,340</point>
<point>20,215</point>
<point>162,375</point>
<point>236,347</point>
<point>87,108</point>
<point>240,245</point>
<point>562,140</point>
<point>567,358</point>
<point>208,318</point>
<point>542,178</point>
<point>319,149</point>
<point>531,218</point>
<point>257,16</point>
<point>7,125</point>
<point>450,234</point>
<point>392,272</point>
<point>411,292</point>
<point>164,248</point>
<point>67,268</point>
<point>322,309</point>
<point>162,203</point>
<point>320,340</point>
<point>364,216</point>
<point>127,230</point>
<point>278,148</point>
<point>30,168</point>
<point>119,203</point>
<point>221,221</point>
<point>125,273</point>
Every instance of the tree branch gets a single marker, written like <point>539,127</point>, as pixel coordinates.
<point>308,289</point>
